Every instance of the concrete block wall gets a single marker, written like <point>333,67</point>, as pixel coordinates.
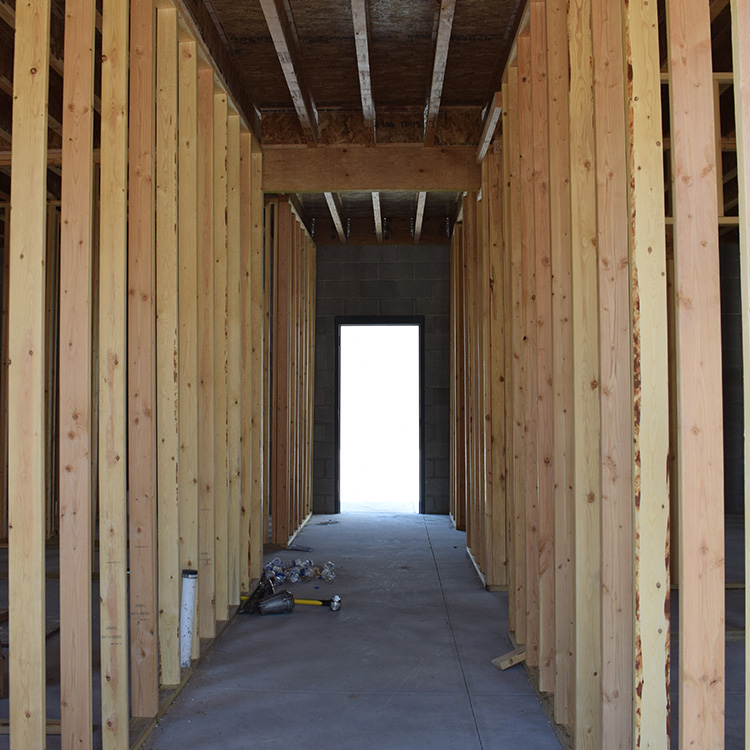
<point>384,280</point>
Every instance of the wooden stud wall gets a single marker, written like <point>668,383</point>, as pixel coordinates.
<point>155,430</point>
<point>478,484</point>
<point>581,233</point>
<point>293,353</point>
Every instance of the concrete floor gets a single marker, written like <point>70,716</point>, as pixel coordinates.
<point>404,664</point>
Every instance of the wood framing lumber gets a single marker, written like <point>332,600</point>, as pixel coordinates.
<point>741,67</point>
<point>361,42</point>
<point>698,319</point>
<point>616,406</point>
<point>544,362</point>
<point>562,355</point>
<point>75,388</point>
<point>506,661</point>
<point>280,435</point>
<point>113,551</point>
<point>188,309</point>
<point>221,477</point>
<point>4,326</point>
<point>518,568</point>
<point>234,345</point>
<point>334,207</point>
<point>281,26</point>
<point>529,347</point>
<point>490,124</point>
<point>586,378</point>
<point>377,216</point>
<point>26,427</point>
<point>415,168</point>
<point>419,216</point>
<point>442,44</point>
<point>258,283</point>
<point>650,379</point>
<point>167,347</point>
<point>75,495</point>
<point>141,353</point>
<point>206,432</point>
<point>248,432</point>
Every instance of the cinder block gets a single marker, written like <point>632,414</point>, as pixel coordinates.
<point>403,271</point>
<point>361,306</point>
<point>328,305</point>
<point>360,271</point>
<point>395,306</point>
<point>327,271</point>
<point>418,289</point>
<point>344,289</point>
<point>380,289</point>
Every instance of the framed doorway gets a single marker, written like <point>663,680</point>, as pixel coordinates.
<point>379,447</point>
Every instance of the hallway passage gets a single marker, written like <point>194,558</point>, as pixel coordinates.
<point>404,664</point>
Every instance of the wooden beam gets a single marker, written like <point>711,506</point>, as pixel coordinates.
<point>497,532</point>
<point>490,124</point>
<point>586,478</point>
<point>698,322</point>
<point>4,327</point>
<point>334,206</point>
<point>167,347</point>
<point>544,361</point>
<point>75,495</point>
<point>361,41</point>
<point>234,346</point>
<point>419,216</point>
<point>26,426</point>
<point>518,567</point>
<point>442,44</point>
<point>562,355</point>
<point>280,397</point>
<point>650,379</point>
<point>188,309</point>
<point>378,216</point>
<point>221,478</point>
<point>284,35</point>
<point>113,295</point>
<point>206,436</point>
<point>741,67</point>
<point>529,355</point>
<point>412,168</point>
<point>616,406</point>
<point>141,349</point>
<point>259,282</point>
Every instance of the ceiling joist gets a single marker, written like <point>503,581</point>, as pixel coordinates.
<point>334,206</point>
<point>284,35</point>
<point>490,124</point>
<point>378,216</point>
<point>362,42</point>
<point>419,219</point>
<point>442,43</point>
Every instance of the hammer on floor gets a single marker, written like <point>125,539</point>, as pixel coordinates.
<point>334,602</point>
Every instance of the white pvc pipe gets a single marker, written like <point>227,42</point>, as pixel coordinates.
<point>187,616</point>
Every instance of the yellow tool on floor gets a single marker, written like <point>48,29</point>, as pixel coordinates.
<point>334,602</point>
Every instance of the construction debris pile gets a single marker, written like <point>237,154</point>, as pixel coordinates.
<point>278,572</point>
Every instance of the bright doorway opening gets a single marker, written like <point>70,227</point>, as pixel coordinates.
<point>379,447</point>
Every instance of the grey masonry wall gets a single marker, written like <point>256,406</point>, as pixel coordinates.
<point>384,280</point>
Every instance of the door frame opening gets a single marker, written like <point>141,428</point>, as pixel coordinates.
<point>378,320</point>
